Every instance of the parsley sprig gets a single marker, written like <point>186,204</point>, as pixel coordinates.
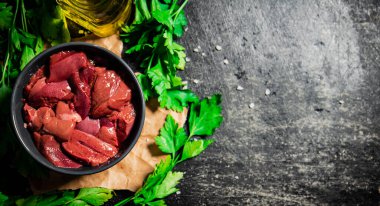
<point>86,196</point>
<point>205,117</point>
<point>151,37</point>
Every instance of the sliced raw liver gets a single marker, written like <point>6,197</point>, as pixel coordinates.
<point>36,118</point>
<point>90,126</point>
<point>30,115</point>
<point>37,139</point>
<point>106,122</point>
<point>108,134</point>
<point>83,153</point>
<point>48,94</point>
<point>109,93</point>
<point>64,68</point>
<point>62,129</point>
<point>124,121</point>
<point>93,143</point>
<point>33,80</point>
<point>51,149</point>
<point>82,98</point>
<point>59,56</point>
<point>64,112</point>
<point>88,75</point>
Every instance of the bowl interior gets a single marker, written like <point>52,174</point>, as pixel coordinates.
<point>101,57</point>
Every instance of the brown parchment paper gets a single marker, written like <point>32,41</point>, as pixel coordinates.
<point>129,173</point>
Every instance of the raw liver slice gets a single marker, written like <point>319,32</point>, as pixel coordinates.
<point>37,139</point>
<point>88,75</point>
<point>124,121</point>
<point>93,143</point>
<point>83,153</point>
<point>59,56</point>
<point>109,93</point>
<point>82,100</point>
<point>64,112</point>
<point>51,149</point>
<point>48,94</point>
<point>108,134</point>
<point>36,118</point>
<point>33,80</point>
<point>30,116</point>
<point>90,126</point>
<point>64,68</point>
<point>60,128</point>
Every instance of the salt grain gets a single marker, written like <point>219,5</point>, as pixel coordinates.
<point>178,192</point>
<point>218,48</point>
<point>199,47</point>
<point>267,92</point>
<point>196,50</point>
<point>187,59</point>
<point>203,54</point>
<point>236,177</point>
<point>185,83</point>
<point>225,61</point>
<point>341,102</point>
<point>196,81</point>
<point>239,88</point>
<point>252,105</point>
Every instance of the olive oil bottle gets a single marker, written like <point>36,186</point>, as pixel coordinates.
<point>102,17</point>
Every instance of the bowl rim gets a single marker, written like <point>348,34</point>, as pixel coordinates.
<point>53,50</point>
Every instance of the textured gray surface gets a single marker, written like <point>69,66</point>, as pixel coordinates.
<point>315,138</point>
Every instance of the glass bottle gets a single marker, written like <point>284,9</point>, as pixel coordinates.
<point>102,17</point>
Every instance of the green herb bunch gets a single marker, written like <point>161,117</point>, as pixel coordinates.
<point>151,38</point>
<point>25,27</point>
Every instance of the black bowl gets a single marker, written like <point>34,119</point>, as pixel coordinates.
<point>101,57</point>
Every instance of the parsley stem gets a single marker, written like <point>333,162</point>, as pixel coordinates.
<point>174,3</point>
<point>5,68</point>
<point>23,18</point>
<point>180,9</point>
<point>123,202</point>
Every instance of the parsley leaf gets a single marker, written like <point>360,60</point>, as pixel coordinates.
<point>163,17</point>
<point>86,196</point>
<point>94,196</point>
<point>145,85</point>
<point>52,199</point>
<point>15,38</point>
<point>205,116</point>
<point>179,23</point>
<point>167,186</point>
<point>194,148</point>
<point>159,78</point>
<point>171,137</point>
<point>26,56</point>
<point>159,191</point>
<point>158,174</point>
<point>5,16</point>
<point>177,99</point>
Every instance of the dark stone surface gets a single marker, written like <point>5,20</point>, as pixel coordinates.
<point>315,139</point>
